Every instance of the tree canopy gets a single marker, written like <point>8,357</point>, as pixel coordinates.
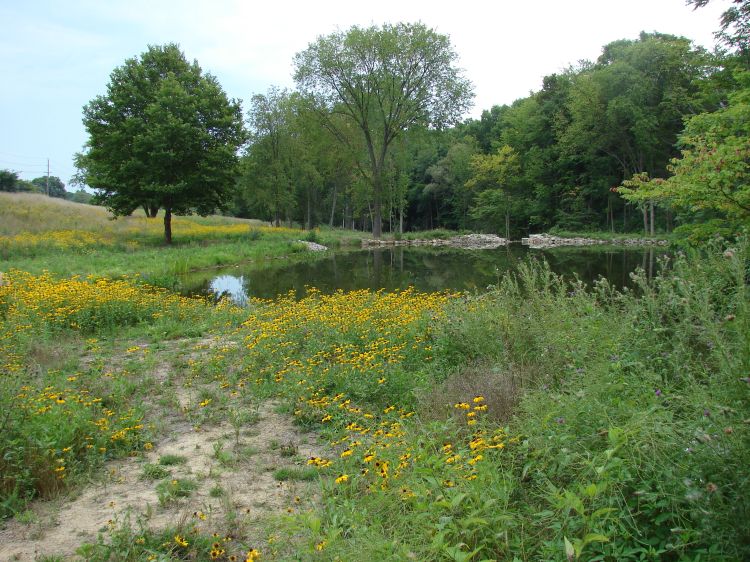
<point>384,80</point>
<point>165,136</point>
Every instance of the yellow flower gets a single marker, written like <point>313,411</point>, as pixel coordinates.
<point>342,478</point>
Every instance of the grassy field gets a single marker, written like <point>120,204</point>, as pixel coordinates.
<point>537,421</point>
<point>39,234</point>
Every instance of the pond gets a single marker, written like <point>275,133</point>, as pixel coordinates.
<point>426,269</point>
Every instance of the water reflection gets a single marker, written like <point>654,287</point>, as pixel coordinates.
<point>231,287</point>
<point>427,269</point>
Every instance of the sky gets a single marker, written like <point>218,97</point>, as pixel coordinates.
<point>57,56</point>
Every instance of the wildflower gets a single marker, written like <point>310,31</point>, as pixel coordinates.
<point>342,478</point>
<point>462,406</point>
<point>478,399</point>
<point>180,541</point>
<point>148,446</point>
<point>320,546</point>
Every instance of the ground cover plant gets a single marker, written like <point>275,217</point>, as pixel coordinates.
<point>586,423</point>
<point>541,419</point>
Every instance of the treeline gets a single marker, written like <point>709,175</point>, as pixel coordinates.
<point>52,186</point>
<point>589,151</point>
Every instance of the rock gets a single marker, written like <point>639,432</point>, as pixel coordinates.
<point>466,241</point>
<point>541,241</point>
<point>313,247</point>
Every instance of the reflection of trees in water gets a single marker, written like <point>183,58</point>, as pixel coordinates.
<point>231,287</point>
<point>427,269</point>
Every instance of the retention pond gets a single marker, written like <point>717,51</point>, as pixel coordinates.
<point>426,269</point>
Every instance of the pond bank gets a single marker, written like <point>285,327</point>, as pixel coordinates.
<point>548,240</point>
<point>466,241</point>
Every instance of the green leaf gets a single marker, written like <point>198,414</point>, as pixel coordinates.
<point>570,552</point>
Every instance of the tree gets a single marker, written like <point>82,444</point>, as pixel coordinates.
<point>495,178</point>
<point>735,26</point>
<point>714,170</point>
<point>164,136</point>
<point>384,80</point>
<point>627,110</point>
<point>266,166</point>
<point>8,180</point>
<point>52,186</point>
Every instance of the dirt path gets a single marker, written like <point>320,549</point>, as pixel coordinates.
<point>234,484</point>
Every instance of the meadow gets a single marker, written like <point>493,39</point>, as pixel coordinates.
<point>540,420</point>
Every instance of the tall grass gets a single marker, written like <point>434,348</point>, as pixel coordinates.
<point>541,421</point>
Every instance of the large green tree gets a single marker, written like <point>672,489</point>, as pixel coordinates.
<point>713,171</point>
<point>384,80</point>
<point>165,136</point>
<point>495,179</point>
<point>52,186</point>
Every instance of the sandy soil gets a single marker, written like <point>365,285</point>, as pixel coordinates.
<point>59,527</point>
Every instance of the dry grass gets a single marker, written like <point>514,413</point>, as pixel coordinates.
<point>501,389</point>
<point>36,213</point>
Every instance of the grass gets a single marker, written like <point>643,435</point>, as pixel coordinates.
<point>172,460</point>
<point>155,472</point>
<point>295,474</point>
<point>541,420</point>
<point>64,238</point>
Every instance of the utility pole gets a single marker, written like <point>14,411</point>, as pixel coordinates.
<point>47,177</point>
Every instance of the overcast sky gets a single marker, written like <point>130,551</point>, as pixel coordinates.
<point>56,56</point>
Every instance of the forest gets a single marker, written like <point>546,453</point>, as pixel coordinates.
<point>618,144</point>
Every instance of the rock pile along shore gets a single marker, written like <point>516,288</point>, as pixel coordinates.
<point>547,241</point>
<point>466,241</point>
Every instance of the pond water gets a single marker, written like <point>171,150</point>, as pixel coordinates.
<point>426,269</point>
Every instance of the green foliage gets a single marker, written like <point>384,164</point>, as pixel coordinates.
<point>155,472</point>
<point>169,491</point>
<point>713,172</point>
<point>626,439</point>
<point>8,180</point>
<point>382,81</point>
<point>303,474</point>
<point>52,186</point>
<point>164,136</point>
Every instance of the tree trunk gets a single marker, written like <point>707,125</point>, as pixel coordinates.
<point>644,210</point>
<point>651,207</point>
<point>308,217</point>
<point>168,225</point>
<point>333,206</point>
<point>377,210</point>
<point>507,225</point>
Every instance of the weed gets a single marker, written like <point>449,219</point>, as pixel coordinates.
<point>172,460</point>
<point>169,491</point>
<point>300,474</point>
<point>155,472</point>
